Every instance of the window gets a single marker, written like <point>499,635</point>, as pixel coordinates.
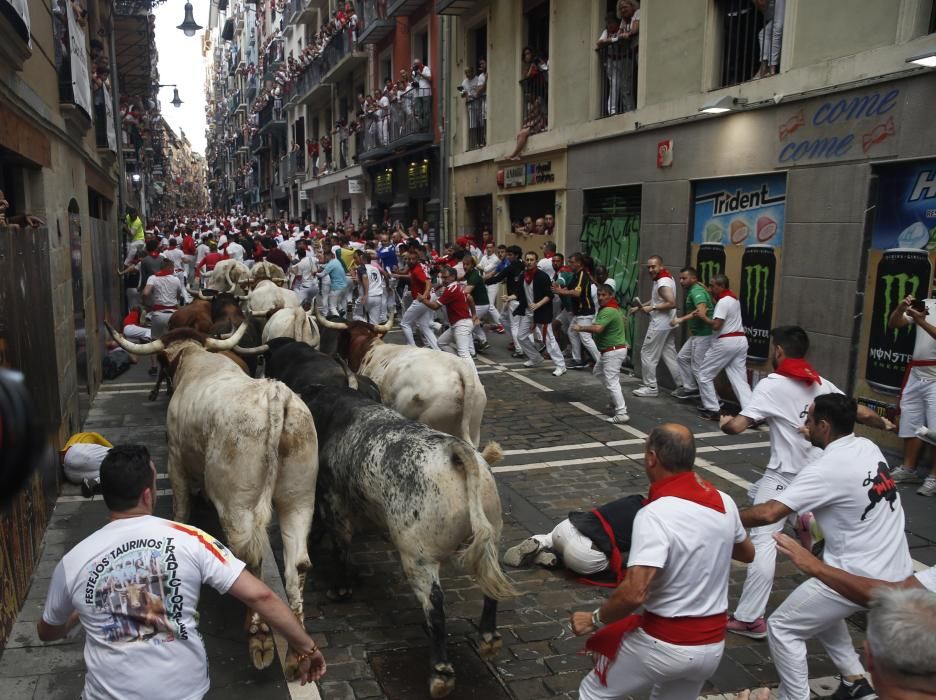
<point>932,20</point>
<point>617,45</point>
<point>477,45</point>
<point>476,102</point>
<point>751,38</point>
<point>536,26</point>
<point>421,46</point>
<point>386,67</point>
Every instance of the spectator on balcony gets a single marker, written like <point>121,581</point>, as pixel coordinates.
<point>611,50</point>
<point>469,93</point>
<point>534,123</point>
<point>770,36</point>
<point>422,107</point>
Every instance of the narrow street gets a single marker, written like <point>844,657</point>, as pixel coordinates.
<point>560,456</point>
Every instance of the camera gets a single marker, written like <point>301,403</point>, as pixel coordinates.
<point>919,306</point>
<point>22,443</point>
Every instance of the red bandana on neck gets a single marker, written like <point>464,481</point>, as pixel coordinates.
<point>727,293</point>
<point>612,303</point>
<point>165,272</point>
<point>798,368</point>
<point>690,487</point>
<point>662,274</point>
<point>528,275</point>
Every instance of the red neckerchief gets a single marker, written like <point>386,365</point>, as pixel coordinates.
<point>798,368</point>
<point>727,293</point>
<point>165,272</point>
<point>612,304</point>
<point>690,487</point>
<point>154,254</point>
<point>528,275</point>
<point>662,274</point>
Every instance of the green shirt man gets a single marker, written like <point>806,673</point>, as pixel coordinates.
<point>614,327</point>
<point>695,295</point>
<point>478,289</point>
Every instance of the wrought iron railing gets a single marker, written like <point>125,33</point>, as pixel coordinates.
<point>271,113</point>
<point>618,77</point>
<point>477,121</point>
<point>751,41</point>
<point>535,94</point>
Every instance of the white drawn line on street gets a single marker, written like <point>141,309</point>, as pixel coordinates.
<point>529,381</point>
<point>78,499</point>
<point>592,412</point>
<point>631,441</point>
<point>271,577</point>
<point>537,450</point>
<point>729,448</point>
<point>126,391</point>
<point>126,385</point>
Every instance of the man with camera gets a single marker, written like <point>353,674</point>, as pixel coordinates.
<point>422,84</point>
<point>918,394</point>
<point>134,586</point>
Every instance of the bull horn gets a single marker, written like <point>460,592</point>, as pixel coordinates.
<point>325,323</point>
<point>259,350</point>
<point>227,276</point>
<point>229,343</point>
<point>315,329</point>
<point>150,348</point>
<point>385,327</point>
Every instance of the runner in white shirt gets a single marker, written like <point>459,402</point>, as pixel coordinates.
<point>235,250</point>
<point>371,281</point>
<point>163,293</point>
<point>134,586</point>
<point>306,272</point>
<point>857,506</point>
<point>659,340</point>
<point>918,396</point>
<point>487,265</point>
<point>174,253</point>
<point>728,349</point>
<point>781,400</point>
<point>683,542</point>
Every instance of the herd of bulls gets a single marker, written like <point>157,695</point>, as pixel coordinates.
<point>314,432</point>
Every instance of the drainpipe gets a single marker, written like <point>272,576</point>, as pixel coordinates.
<point>121,166</point>
<point>444,134</point>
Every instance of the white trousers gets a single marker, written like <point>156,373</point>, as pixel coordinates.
<point>514,322</point>
<point>374,308</point>
<point>812,610</point>
<point>529,349</point>
<point>338,301</point>
<point>760,572</point>
<point>138,334</point>
<point>576,550</point>
<point>419,316</point>
<point>917,405</point>
<point>729,354</point>
<point>771,36</point>
<point>459,337</point>
<point>390,296</point>
<point>609,367</point>
<point>577,340</point>
<point>493,291</point>
<point>307,294</point>
<point>657,344</point>
<point>644,662</point>
<point>485,311</point>
<point>690,358</point>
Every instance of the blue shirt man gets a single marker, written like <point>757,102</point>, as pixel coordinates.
<point>336,274</point>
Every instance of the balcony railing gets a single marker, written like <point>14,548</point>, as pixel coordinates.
<point>271,115</point>
<point>406,123</point>
<point>377,26</point>
<point>477,122</point>
<point>104,135</point>
<point>251,89</point>
<point>619,77</point>
<point>74,81</point>
<point>750,42</point>
<point>273,56</point>
<point>535,94</point>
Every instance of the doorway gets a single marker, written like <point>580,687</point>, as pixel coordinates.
<point>78,314</point>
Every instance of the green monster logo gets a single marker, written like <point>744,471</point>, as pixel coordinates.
<point>758,281</point>
<point>708,269</point>
<point>903,284</point>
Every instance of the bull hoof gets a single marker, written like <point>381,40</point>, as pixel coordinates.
<point>260,646</point>
<point>442,680</point>
<point>339,595</point>
<point>489,645</point>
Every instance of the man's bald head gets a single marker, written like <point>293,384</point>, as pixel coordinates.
<point>673,446</point>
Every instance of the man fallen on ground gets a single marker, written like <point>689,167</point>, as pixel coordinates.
<point>119,581</point>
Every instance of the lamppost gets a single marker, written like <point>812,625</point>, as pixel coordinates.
<point>188,26</point>
<point>176,101</point>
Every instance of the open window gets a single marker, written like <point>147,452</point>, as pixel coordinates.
<point>750,39</point>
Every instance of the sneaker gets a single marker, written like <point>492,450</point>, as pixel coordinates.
<point>929,487</point>
<point>906,475</point>
<point>90,487</point>
<point>853,689</point>
<point>684,393</point>
<point>753,630</point>
<point>620,418</point>
<point>523,553</point>
<point>530,363</point>
<point>511,347</point>
<point>705,414</point>
<point>483,347</point>
<point>499,329</point>
<point>518,353</point>
<point>559,371</point>
<point>645,391</point>
<point>546,559</point>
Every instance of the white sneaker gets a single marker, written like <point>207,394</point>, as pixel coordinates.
<point>559,371</point>
<point>645,391</point>
<point>530,363</point>
<point>523,553</point>
<point>620,418</point>
<point>905,475</point>
<point>929,487</point>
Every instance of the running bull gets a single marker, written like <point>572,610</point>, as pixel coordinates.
<point>432,387</point>
<point>250,446</point>
<point>432,492</point>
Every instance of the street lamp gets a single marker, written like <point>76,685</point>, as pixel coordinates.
<point>176,101</point>
<point>188,26</point>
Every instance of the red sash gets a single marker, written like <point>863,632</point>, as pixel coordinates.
<point>616,562</point>
<point>735,334</point>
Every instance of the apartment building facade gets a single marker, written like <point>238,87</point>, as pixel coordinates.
<point>819,166</point>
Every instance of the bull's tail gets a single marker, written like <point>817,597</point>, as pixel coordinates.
<point>470,430</point>
<point>481,556</point>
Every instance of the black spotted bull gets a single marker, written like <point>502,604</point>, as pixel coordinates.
<point>433,493</point>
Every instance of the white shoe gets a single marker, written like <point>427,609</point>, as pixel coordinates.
<point>645,391</point>
<point>559,371</point>
<point>905,475</point>
<point>620,418</point>
<point>523,553</point>
<point>929,487</point>
<point>530,363</point>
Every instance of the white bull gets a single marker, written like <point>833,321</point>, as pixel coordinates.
<point>249,445</point>
<point>267,271</point>
<point>267,298</point>
<point>432,387</point>
<point>229,276</point>
<point>293,323</point>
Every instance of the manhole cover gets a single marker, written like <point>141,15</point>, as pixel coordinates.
<point>404,674</point>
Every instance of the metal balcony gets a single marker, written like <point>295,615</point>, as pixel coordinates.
<point>456,7</point>
<point>407,123</point>
<point>271,117</point>
<point>376,27</point>
<point>403,8</point>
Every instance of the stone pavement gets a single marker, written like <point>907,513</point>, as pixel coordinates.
<point>561,455</point>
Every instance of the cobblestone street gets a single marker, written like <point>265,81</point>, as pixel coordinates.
<point>561,455</point>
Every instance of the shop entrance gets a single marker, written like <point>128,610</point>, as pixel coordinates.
<point>479,213</point>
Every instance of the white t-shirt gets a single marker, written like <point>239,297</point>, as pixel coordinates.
<point>546,265</point>
<point>857,506</point>
<point>305,269</point>
<point>135,584</point>
<point>375,281</point>
<point>175,255</point>
<point>235,251</point>
<point>289,247</point>
<point>167,290</point>
<point>528,291</point>
<point>469,85</point>
<point>488,263</point>
<point>927,579</point>
<point>200,252</point>
<point>729,310</point>
<point>660,320</point>
<point>691,545</point>
<point>783,403</point>
<point>924,347</point>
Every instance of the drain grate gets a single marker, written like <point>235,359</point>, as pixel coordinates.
<point>404,674</point>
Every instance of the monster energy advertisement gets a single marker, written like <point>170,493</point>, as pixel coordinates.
<point>710,261</point>
<point>902,272</point>
<point>758,275</point>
